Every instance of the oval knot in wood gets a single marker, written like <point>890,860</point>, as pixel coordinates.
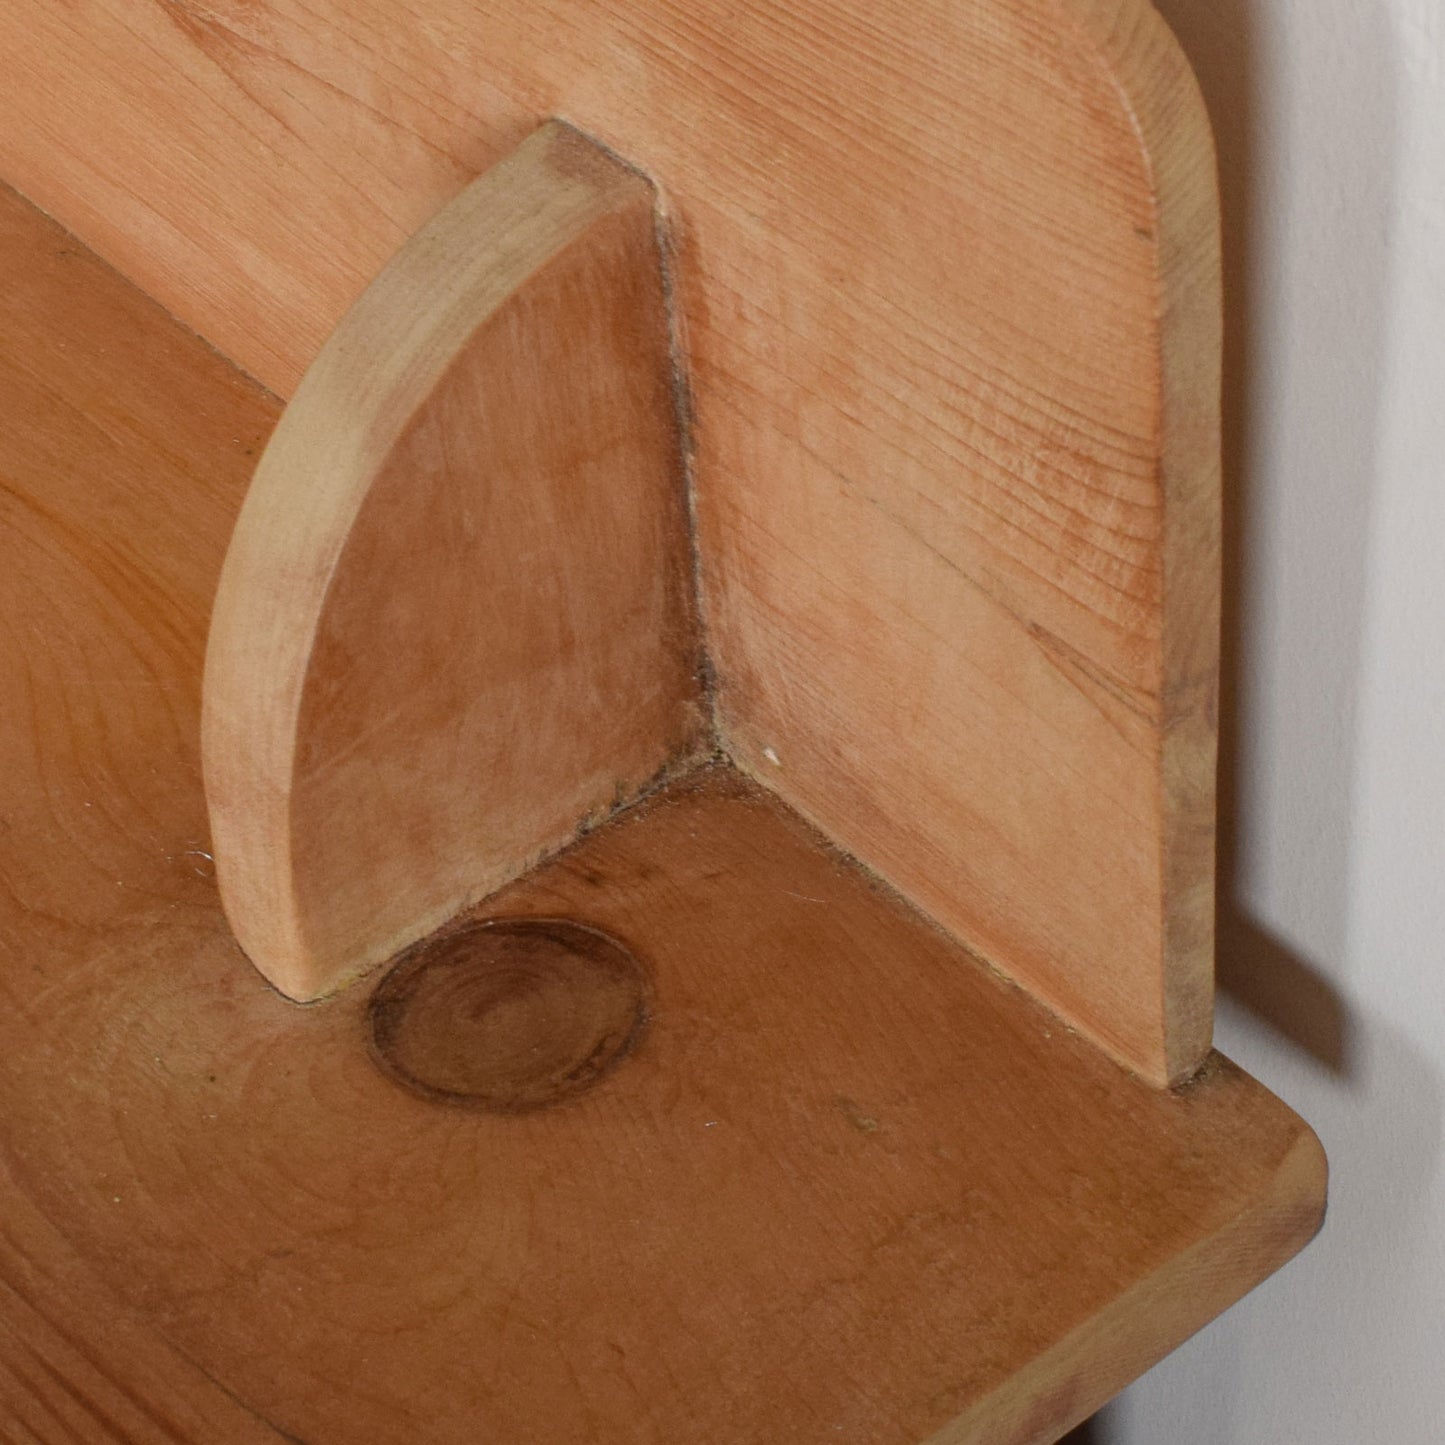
<point>509,1014</point>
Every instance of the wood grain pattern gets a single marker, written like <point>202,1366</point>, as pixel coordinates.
<point>948,275</point>
<point>454,624</point>
<point>77,1367</point>
<point>851,1186</point>
<point>124,454</point>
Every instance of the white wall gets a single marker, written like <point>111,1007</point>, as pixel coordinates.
<point>1330,116</point>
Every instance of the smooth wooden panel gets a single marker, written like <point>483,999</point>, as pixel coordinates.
<point>850,1186</point>
<point>949,279</point>
<point>454,624</point>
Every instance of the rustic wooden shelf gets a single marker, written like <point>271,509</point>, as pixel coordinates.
<point>853,1185</point>
<point>709,697</point>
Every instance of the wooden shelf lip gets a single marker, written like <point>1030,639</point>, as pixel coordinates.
<point>851,1186</point>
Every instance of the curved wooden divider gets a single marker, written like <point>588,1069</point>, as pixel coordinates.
<point>455,623</point>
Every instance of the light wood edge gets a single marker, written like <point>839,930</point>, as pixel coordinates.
<point>411,323</point>
<point>1094,1361</point>
<point>1159,92</point>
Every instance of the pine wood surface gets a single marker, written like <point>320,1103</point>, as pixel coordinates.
<point>850,1186</point>
<point>948,278</point>
<point>455,619</point>
<point>125,449</point>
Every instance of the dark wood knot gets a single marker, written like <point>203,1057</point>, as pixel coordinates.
<point>508,1014</point>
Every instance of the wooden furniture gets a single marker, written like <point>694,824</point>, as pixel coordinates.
<point>731,605</point>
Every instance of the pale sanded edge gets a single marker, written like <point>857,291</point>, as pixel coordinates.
<point>1162,98</point>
